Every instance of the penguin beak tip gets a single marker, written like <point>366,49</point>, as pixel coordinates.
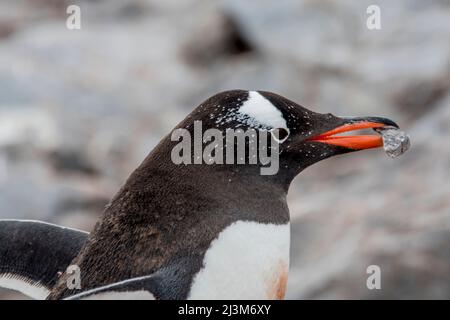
<point>355,142</point>
<point>385,121</point>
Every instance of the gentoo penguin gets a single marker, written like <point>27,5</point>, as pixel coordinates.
<point>189,230</point>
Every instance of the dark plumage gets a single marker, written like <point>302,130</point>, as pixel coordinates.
<point>165,216</point>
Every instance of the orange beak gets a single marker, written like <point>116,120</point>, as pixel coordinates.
<point>352,142</point>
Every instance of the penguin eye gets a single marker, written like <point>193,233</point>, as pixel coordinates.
<point>280,134</point>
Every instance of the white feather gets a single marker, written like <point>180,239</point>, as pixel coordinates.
<point>42,222</point>
<point>109,292</point>
<point>262,111</point>
<point>243,261</point>
<point>120,295</point>
<point>28,287</point>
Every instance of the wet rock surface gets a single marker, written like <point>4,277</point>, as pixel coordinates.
<point>79,110</point>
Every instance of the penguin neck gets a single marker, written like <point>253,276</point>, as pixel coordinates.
<point>158,165</point>
<point>225,189</point>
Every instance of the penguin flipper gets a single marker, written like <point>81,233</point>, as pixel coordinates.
<point>139,288</point>
<point>171,282</point>
<point>33,252</point>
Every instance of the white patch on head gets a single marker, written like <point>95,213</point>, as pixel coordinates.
<point>24,285</point>
<point>248,260</point>
<point>262,112</point>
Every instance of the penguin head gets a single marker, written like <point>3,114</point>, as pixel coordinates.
<point>309,137</point>
<point>303,137</point>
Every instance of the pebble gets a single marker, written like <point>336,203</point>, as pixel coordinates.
<point>395,142</point>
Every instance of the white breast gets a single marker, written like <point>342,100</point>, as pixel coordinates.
<point>248,260</point>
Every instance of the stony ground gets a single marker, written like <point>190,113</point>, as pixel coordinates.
<point>80,109</point>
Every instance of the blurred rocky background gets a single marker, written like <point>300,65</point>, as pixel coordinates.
<point>79,110</point>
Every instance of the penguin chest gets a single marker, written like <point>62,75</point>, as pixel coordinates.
<point>248,260</point>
